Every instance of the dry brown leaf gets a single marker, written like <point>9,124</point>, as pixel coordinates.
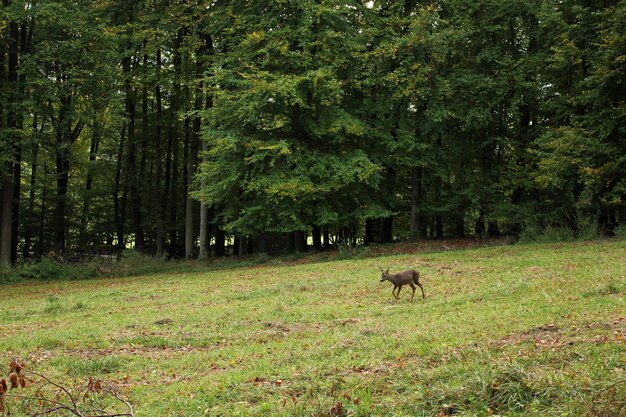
<point>337,409</point>
<point>14,380</point>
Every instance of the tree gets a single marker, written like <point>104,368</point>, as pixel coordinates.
<point>285,150</point>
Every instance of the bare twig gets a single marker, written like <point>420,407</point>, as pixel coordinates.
<point>45,389</point>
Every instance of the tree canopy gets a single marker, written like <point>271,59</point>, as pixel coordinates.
<point>177,127</point>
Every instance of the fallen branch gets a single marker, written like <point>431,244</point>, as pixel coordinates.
<point>41,396</point>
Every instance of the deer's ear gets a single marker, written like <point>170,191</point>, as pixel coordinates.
<point>387,271</point>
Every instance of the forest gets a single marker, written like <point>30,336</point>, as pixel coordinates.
<point>199,128</point>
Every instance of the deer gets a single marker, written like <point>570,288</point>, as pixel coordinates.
<point>409,277</point>
<point>106,270</point>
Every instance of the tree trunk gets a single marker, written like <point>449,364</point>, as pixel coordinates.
<point>5,254</point>
<point>118,217</point>
<point>184,194</point>
<point>236,243</point>
<point>205,236</point>
<point>200,100</point>
<point>62,175</point>
<point>28,232</point>
<point>243,246</point>
<point>17,182</point>
<point>371,226</point>
<point>327,243</point>
<point>219,242</point>
<point>133,180</point>
<point>42,218</point>
<point>416,197</point>
<point>479,227</point>
<point>142,179</point>
<point>317,238</point>
<point>174,196</point>
<point>300,243</point>
<point>8,184</point>
<point>174,145</point>
<point>192,161</point>
<point>290,242</point>
<point>25,46</point>
<point>65,137</point>
<point>387,231</point>
<point>6,223</point>
<point>460,225</point>
<point>93,152</point>
<point>159,196</point>
<point>167,192</point>
<point>492,228</point>
<point>438,226</point>
<point>386,235</point>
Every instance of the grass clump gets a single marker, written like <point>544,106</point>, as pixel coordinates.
<point>88,366</point>
<point>606,289</point>
<point>52,304</point>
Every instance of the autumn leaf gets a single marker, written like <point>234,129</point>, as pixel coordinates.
<point>14,380</point>
<point>336,409</point>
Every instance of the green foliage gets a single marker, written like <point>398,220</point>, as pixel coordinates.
<point>134,263</point>
<point>586,230</point>
<point>448,118</point>
<point>284,141</point>
<point>7,274</point>
<point>620,231</point>
<point>516,330</point>
<point>346,250</point>
<point>46,269</point>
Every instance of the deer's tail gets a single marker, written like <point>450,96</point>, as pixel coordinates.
<point>416,277</point>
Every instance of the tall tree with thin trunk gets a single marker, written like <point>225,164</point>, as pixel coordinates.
<point>10,147</point>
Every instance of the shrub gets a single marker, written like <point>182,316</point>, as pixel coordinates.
<point>7,274</point>
<point>45,269</point>
<point>587,229</point>
<point>135,263</point>
<point>620,231</point>
<point>348,251</point>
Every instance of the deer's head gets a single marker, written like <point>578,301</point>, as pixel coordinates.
<point>384,274</point>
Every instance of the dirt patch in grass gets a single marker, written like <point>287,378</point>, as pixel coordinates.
<point>126,350</point>
<point>7,330</point>
<point>380,369</point>
<point>551,336</point>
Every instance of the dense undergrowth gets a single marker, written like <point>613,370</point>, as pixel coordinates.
<point>131,263</point>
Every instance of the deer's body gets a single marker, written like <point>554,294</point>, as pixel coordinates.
<point>409,277</point>
<point>106,270</point>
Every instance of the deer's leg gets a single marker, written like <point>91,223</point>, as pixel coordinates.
<point>398,294</point>
<point>395,287</point>
<point>421,288</point>
<point>412,287</point>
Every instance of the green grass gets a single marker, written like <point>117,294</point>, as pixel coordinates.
<point>520,330</point>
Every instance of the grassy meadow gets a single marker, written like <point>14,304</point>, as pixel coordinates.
<point>512,330</point>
